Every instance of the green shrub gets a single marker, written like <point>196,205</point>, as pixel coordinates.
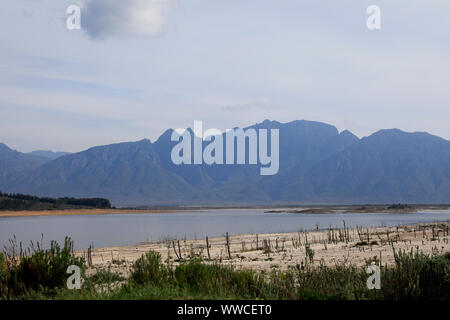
<point>149,269</point>
<point>2,262</point>
<point>309,253</point>
<point>217,279</point>
<point>43,270</point>
<point>447,256</point>
<point>338,282</point>
<point>104,276</point>
<point>417,276</point>
<point>2,270</point>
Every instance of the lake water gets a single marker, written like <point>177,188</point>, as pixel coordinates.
<point>130,229</point>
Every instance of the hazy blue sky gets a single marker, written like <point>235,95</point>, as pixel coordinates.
<point>138,67</point>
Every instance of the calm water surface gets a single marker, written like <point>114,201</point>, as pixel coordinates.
<point>129,229</point>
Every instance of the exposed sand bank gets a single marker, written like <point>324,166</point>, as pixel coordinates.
<point>265,252</point>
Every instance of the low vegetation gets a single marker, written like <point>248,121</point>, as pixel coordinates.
<point>18,202</point>
<point>36,270</point>
<point>399,206</point>
<point>41,274</point>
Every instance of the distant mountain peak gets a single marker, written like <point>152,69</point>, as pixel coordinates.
<point>268,122</point>
<point>4,147</point>
<point>348,133</point>
<point>390,131</point>
<point>144,141</point>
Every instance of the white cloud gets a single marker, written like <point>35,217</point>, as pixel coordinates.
<point>107,18</point>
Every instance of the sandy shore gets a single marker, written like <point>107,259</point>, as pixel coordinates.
<point>73,212</point>
<point>265,252</point>
<point>292,210</point>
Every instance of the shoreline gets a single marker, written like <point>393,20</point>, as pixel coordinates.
<point>325,209</point>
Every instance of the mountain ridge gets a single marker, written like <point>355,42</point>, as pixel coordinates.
<point>318,164</point>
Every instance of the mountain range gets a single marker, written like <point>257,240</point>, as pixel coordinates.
<point>318,165</point>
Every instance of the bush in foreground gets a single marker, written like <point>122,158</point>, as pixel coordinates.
<point>42,270</point>
<point>417,276</point>
<point>149,269</point>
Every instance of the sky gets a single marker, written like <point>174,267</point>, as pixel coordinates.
<point>139,67</point>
